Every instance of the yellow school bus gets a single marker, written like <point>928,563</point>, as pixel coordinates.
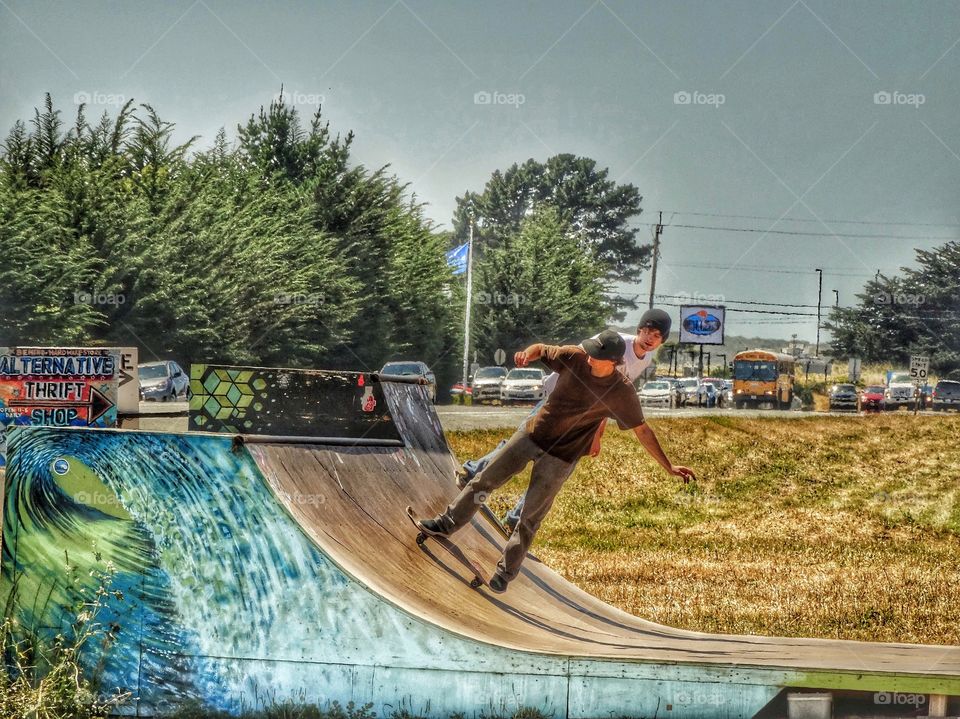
<point>760,376</point>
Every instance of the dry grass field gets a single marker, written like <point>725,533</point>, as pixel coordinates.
<point>839,527</point>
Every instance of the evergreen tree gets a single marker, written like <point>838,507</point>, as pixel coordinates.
<point>916,313</point>
<point>537,286</point>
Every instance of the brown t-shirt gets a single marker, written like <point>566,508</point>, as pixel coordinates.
<point>565,425</point>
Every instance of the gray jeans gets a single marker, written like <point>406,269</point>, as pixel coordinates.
<point>548,475</point>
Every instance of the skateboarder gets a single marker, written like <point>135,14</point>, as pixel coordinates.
<point>652,331</point>
<point>589,389</point>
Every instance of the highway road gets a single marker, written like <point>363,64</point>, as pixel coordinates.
<point>171,416</point>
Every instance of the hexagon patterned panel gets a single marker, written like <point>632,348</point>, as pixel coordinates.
<point>288,402</point>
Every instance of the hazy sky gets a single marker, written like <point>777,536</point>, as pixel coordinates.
<point>767,109</point>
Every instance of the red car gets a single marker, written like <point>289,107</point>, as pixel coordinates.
<point>871,397</point>
<point>458,391</point>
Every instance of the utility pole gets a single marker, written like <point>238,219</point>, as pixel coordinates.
<point>819,300</point>
<point>656,253</point>
<point>466,319</point>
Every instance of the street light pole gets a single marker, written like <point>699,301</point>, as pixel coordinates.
<point>466,320</point>
<point>819,301</point>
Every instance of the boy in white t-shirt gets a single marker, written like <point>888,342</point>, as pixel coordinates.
<point>652,331</point>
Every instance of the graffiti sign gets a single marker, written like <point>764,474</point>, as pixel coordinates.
<point>58,386</point>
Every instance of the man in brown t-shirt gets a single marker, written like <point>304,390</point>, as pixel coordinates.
<point>589,389</point>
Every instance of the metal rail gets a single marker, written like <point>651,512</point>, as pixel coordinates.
<point>241,439</point>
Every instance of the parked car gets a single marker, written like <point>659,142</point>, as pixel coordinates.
<point>674,388</point>
<point>163,381</point>
<point>413,369</point>
<point>844,396</point>
<point>486,383</point>
<point>720,386</point>
<point>522,385</point>
<point>694,393</point>
<point>713,395</point>
<point>657,393</point>
<point>946,395</point>
<point>872,397</point>
<point>900,391</point>
<point>458,390</point>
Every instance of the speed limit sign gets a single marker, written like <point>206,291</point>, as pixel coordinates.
<point>919,367</point>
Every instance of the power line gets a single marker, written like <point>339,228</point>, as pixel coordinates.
<point>776,269</point>
<point>802,219</point>
<point>741,309</point>
<point>795,233</point>
<point>739,302</point>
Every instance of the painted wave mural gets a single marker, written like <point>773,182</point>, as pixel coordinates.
<point>226,602</point>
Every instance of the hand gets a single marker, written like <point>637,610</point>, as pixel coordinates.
<point>520,359</point>
<point>685,472</point>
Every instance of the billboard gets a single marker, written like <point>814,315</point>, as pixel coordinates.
<point>57,386</point>
<point>702,324</point>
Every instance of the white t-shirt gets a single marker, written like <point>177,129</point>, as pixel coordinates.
<point>632,365</point>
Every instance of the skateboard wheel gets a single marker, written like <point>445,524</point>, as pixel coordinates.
<point>421,538</point>
<point>476,583</point>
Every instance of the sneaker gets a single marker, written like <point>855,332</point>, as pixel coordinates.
<point>433,527</point>
<point>498,584</point>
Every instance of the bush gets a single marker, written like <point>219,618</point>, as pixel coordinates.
<point>44,678</point>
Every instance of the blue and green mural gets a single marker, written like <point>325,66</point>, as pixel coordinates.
<point>226,601</point>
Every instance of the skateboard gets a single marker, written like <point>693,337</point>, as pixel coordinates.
<point>454,551</point>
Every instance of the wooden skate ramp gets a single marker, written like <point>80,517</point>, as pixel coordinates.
<point>361,525</point>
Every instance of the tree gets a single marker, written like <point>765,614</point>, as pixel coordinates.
<point>596,209</point>
<point>279,252</point>
<point>537,286</point>
<point>389,249</point>
<point>917,313</point>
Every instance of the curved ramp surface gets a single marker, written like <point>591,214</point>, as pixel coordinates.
<point>272,572</point>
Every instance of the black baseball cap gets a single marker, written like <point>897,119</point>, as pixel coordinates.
<point>608,345</point>
<point>657,319</point>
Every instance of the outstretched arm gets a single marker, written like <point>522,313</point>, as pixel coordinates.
<point>530,354</point>
<point>650,443</point>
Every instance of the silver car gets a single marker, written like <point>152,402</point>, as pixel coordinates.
<point>486,383</point>
<point>694,392</point>
<point>163,381</point>
<point>413,369</point>
<point>522,385</point>
<point>656,393</point>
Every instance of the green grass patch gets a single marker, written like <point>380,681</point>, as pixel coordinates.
<point>838,527</point>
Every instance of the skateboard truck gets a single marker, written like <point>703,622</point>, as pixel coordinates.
<point>454,551</point>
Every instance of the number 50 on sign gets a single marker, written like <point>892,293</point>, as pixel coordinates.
<point>919,367</point>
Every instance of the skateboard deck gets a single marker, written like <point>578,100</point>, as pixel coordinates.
<point>452,549</point>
